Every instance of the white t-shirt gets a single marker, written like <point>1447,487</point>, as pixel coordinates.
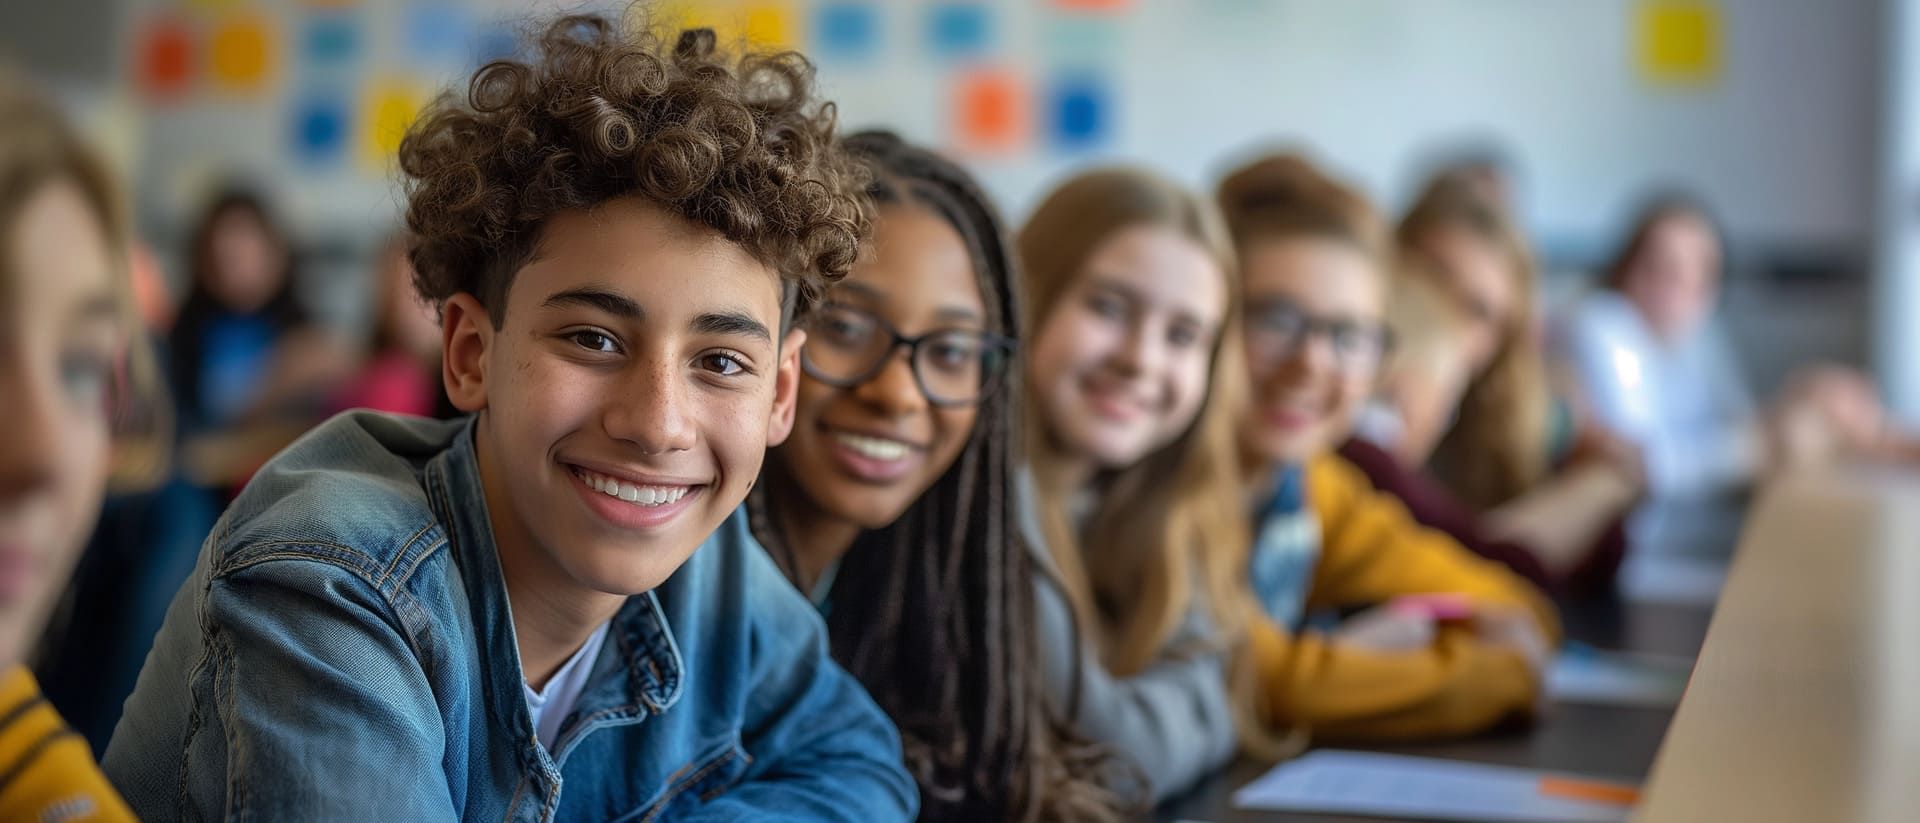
<point>551,706</point>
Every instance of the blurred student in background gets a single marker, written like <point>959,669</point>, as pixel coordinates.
<point>892,501</point>
<point>242,346</point>
<point>1132,511</point>
<point>1649,362</point>
<point>74,372</point>
<point>400,370</point>
<point>1511,453</point>
<point>1314,256</point>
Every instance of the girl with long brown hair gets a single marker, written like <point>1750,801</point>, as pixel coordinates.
<point>1514,455</point>
<point>1131,316</point>
<point>1313,255</point>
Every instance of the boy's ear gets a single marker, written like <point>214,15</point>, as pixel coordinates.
<point>786,388</point>
<point>465,334</point>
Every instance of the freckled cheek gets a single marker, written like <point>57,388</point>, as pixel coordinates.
<point>735,429</point>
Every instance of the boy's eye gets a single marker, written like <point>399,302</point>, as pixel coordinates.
<point>723,364</point>
<point>593,341</point>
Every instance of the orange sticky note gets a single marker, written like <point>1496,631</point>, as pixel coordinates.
<point>1588,790</point>
<point>1679,41</point>
<point>1093,5</point>
<point>163,62</point>
<point>990,111</point>
<point>240,54</point>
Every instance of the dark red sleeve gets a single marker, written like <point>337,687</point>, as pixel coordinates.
<point>1433,506</point>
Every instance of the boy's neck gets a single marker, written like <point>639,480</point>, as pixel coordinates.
<point>815,539</point>
<point>553,615</point>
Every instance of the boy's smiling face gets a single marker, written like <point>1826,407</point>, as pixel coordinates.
<point>627,398</point>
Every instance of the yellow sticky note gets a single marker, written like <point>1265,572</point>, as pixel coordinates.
<point>388,110</point>
<point>675,16</point>
<point>240,54</point>
<point>769,25</point>
<point>1679,42</point>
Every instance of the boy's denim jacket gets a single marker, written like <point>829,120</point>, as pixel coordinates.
<point>343,651</point>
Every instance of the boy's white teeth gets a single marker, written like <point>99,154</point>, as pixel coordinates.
<point>633,493</point>
<point>873,447</point>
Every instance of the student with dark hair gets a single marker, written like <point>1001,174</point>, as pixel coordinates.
<point>242,344</point>
<point>551,609</point>
<point>892,501</point>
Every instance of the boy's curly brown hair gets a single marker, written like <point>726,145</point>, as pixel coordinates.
<point>599,112</point>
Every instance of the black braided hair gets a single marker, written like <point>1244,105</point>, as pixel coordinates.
<point>933,613</point>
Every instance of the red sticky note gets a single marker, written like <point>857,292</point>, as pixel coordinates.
<point>990,111</point>
<point>163,61</point>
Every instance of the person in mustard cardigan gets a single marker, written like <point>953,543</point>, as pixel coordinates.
<point>79,405</point>
<point>1449,644</point>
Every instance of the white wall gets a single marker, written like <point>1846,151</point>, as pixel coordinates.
<point>1783,146</point>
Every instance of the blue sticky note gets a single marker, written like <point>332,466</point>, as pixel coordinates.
<point>330,40</point>
<point>320,130</point>
<point>846,30</point>
<point>438,35</point>
<point>496,42</point>
<point>1081,112</point>
<point>959,29</point>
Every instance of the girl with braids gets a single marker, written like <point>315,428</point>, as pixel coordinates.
<point>1314,253</point>
<point>890,501</point>
<point>1131,298</point>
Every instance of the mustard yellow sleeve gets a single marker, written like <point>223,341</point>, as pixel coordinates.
<point>47,773</point>
<point>1372,550</point>
<point>1456,687</point>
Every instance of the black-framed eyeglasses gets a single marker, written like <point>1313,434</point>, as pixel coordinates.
<point>1277,327</point>
<point>847,347</point>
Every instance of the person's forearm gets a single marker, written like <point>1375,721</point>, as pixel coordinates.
<point>1563,518</point>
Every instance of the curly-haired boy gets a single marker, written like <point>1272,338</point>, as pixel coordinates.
<point>505,617</point>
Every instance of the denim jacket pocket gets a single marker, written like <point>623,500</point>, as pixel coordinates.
<point>715,770</point>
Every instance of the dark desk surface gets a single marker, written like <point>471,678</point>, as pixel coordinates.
<point>1603,741</point>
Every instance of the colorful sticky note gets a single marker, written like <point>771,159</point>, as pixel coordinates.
<point>990,111</point>
<point>240,53</point>
<point>319,130</point>
<point>769,26</point>
<point>439,35</point>
<point>846,31</point>
<point>1093,5</point>
<point>1080,109</point>
<point>330,40</point>
<point>959,29</point>
<point>163,60</point>
<point>388,110</point>
<point>676,16</point>
<point>496,42</point>
<point>1679,42</point>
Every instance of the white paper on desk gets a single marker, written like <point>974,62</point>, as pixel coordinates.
<point>1584,675</point>
<point>1392,785</point>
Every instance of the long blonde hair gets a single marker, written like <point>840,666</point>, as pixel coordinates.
<point>1175,510</point>
<point>38,148</point>
<point>1498,448</point>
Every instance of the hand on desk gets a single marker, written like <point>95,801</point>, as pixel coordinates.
<point>1386,628</point>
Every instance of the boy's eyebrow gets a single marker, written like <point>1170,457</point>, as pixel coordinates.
<point>732,323</point>
<point>618,305</point>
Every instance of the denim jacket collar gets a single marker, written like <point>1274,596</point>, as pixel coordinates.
<point>644,677</point>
